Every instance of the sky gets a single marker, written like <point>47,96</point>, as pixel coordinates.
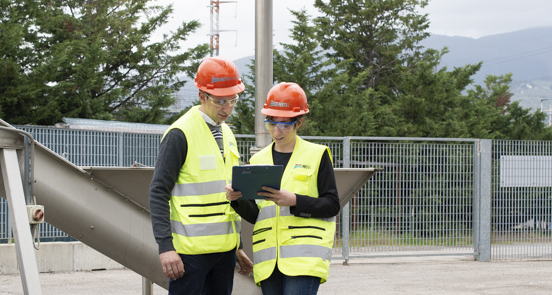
<point>467,18</point>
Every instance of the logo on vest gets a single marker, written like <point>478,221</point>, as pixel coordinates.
<point>301,166</point>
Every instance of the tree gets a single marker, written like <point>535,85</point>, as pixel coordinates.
<point>17,88</point>
<point>243,116</point>
<point>300,63</point>
<point>379,36</point>
<point>496,118</point>
<point>403,90</point>
<point>304,63</point>
<point>93,59</point>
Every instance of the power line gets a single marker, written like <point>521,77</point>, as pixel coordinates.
<point>517,56</point>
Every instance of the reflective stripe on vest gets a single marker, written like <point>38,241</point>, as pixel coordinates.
<point>201,229</point>
<point>264,255</point>
<point>270,212</point>
<point>266,213</point>
<point>293,251</point>
<point>305,251</point>
<point>201,188</point>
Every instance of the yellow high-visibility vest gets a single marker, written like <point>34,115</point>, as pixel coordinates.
<point>298,246</point>
<point>202,219</point>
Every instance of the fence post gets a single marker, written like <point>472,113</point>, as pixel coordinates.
<point>483,203</point>
<point>476,192</point>
<point>346,209</point>
<point>121,149</point>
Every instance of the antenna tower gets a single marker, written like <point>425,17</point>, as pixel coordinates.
<point>214,35</point>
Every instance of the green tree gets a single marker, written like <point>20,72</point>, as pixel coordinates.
<point>386,84</point>
<point>429,101</point>
<point>17,87</point>
<point>243,116</point>
<point>93,59</point>
<point>378,36</point>
<point>494,117</point>
<point>303,63</point>
<point>326,81</point>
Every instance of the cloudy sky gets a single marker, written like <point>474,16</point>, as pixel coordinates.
<point>468,18</point>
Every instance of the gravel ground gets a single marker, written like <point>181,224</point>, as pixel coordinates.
<point>399,275</point>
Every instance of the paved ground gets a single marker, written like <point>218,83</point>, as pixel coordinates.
<point>404,275</point>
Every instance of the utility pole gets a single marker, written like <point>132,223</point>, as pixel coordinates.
<point>214,35</point>
<point>548,112</point>
<point>263,69</point>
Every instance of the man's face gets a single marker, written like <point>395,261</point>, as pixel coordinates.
<point>218,108</point>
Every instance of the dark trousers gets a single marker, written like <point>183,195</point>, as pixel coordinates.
<point>205,274</point>
<point>280,284</point>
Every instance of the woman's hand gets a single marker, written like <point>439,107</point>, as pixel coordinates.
<point>231,195</point>
<point>279,197</point>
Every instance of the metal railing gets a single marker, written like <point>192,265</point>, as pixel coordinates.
<point>427,201</point>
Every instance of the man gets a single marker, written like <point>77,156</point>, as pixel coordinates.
<point>194,225</point>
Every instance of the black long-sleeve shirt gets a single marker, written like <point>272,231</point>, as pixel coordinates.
<point>172,155</point>
<point>325,206</point>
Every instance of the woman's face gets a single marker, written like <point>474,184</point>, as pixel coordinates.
<point>283,134</point>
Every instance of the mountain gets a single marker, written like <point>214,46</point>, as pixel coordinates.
<point>527,54</point>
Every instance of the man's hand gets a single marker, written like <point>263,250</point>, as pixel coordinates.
<point>173,267</point>
<point>246,266</point>
<point>231,195</point>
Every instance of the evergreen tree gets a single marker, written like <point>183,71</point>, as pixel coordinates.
<point>17,87</point>
<point>243,117</point>
<point>386,84</point>
<point>378,36</point>
<point>495,117</point>
<point>304,63</point>
<point>93,59</point>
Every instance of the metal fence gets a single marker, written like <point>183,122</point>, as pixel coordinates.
<point>421,202</point>
<point>425,202</point>
<point>522,200</point>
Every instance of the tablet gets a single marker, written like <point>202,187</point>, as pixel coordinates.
<point>249,179</point>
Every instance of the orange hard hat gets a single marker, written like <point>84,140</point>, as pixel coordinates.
<point>285,100</point>
<point>218,76</point>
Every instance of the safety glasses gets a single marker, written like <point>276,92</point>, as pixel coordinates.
<point>283,126</point>
<point>221,102</point>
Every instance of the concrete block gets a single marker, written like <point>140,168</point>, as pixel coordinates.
<point>86,258</point>
<point>58,257</point>
<point>8,259</point>
<point>54,257</point>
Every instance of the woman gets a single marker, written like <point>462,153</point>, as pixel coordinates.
<point>294,226</point>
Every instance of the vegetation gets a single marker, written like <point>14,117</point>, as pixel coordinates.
<point>362,61</point>
<point>90,59</point>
